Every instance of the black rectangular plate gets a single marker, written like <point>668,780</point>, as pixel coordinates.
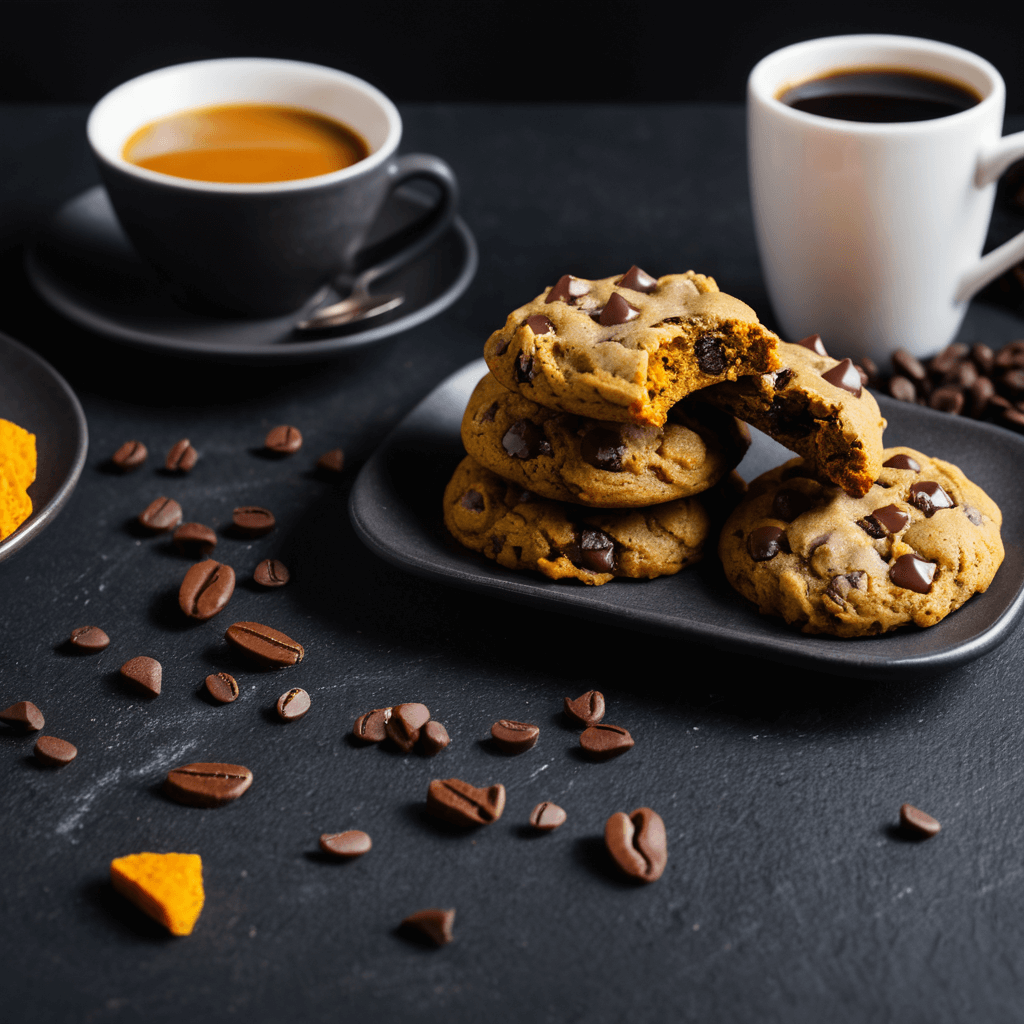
<point>396,509</point>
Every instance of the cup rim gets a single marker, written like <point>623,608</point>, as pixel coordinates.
<point>764,83</point>
<point>369,163</point>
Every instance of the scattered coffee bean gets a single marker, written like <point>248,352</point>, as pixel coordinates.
<point>404,724</point>
<point>206,589</point>
<point>23,715</point>
<point>602,742</point>
<point>54,753</point>
<point>371,727</point>
<point>222,687</point>
<point>902,388</point>
<point>194,539</point>
<point>161,514</point>
<point>129,456</point>
<point>459,803</point>
<point>433,738</point>
<point>908,365</point>
<point>271,573</point>
<point>283,440</point>
<point>144,673</point>
<point>207,784</point>
<point>181,458</point>
<point>546,816</point>
<point>270,647</point>
<point>638,843</point>
<point>917,823</point>
<point>253,521</point>
<point>89,639</point>
<point>514,737</point>
<point>291,706</point>
<point>346,844</point>
<point>332,461</point>
<point>433,924</point>
<point>587,709</point>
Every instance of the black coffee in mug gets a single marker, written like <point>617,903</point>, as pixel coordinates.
<point>881,95</point>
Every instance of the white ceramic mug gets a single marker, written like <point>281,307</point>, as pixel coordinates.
<point>871,234</point>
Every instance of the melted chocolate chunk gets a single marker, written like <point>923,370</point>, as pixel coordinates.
<point>972,514</point>
<point>902,461</point>
<point>617,311</point>
<point>568,289</point>
<point>818,541</point>
<point>595,551</point>
<point>473,500</point>
<point>929,497</point>
<point>603,448</point>
<point>710,355</point>
<point>489,413</point>
<point>872,527</point>
<point>525,371</point>
<point>788,504</point>
<point>766,542</point>
<point>502,347</point>
<point>540,324</point>
<point>782,378</point>
<point>814,343</point>
<point>912,572</point>
<point>525,440</point>
<point>840,586</point>
<point>637,280</point>
<point>785,417</point>
<point>846,376</point>
<point>891,518</point>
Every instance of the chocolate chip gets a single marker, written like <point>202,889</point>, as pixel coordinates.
<point>603,448</point>
<point>947,399</point>
<point>638,280</point>
<point>845,376</point>
<point>293,704</point>
<point>908,365</point>
<point>567,289</point>
<point>791,418</point>
<point>433,925</point>
<point>129,456</point>
<point>788,504</point>
<point>929,497</point>
<point>332,461</point>
<point>911,572</point>
<point>814,343</point>
<point>596,551</point>
<point>872,527</point>
<point>269,647</point>
<point>89,639</point>
<point>525,371</point>
<point>283,440</point>
<point>433,738</point>
<point>54,753</point>
<point>840,586</point>
<point>459,803</point>
<point>23,715</point>
<point>404,725</point>
<point>637,843</point>
<point>603,741</point>
<point>546,816</point>
<point>207,783</point>
<point>206,589</point>
<point>144,673</point>
<point>160,514</point>
<point>194,539</point>
<point>525,440</point>
<point>891,517</point>
<point>918,824</point>
<point>901,461</point>
<point>972,514</point>
<point>181,458</point>
<point>252,520</point>
<point>514,737</point>
<point>371,727</point>
<point>765,543</point>
<point>710,355</point>
<point>781,379</point>
<point>585,710</point>
<point>222,687</point>
<point>487,416</point>
<point>540,324</point>
<point>472,500</point>
<point>353,843</point>
<point>271,573</point>
<point>618,310</point>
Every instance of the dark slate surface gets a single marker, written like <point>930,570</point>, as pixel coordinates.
<point>787,897</point>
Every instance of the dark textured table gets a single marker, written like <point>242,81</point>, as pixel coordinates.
<point>788,894</point>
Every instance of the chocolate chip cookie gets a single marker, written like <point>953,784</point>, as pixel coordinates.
<point>817,407</point>
<point>518,530</point>
<point>627,348</point>
<point>606,465</point>
<point>914,548</point>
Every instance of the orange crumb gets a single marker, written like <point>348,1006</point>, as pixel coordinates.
<point>17,471</point>
<point>167,886</point>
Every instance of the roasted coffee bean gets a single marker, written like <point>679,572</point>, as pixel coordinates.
<point>845,376</point>
<point>587,709</point>
<point>207,784</point>
<point>403,726</point>
<point>602,741</point>
<point>459,803</point>
<point>789,504</point>
<point>206,589</point>
<point>638,280</point>
<point>539,324</point>
<point>567,289</point>
<point>814,343</point>
<point>332,461</point>
<point>194,539</point>
<point>901,461</point>
<point>909,365</point>
<point>252,520</point>
<point>271,573</point>
<point>89,639</point>
<point>1012,418</point>
<point>902,388</point>
<point>870,367</point>
<point>637,843</point>
<point>947,399</point>
<point>766,542</point>
<point>603,448</point>
<point>54,753</point>
<point>546,816</point>
<point>912,572</point>
<point>181,458</point>
<point>432,925</point>
<point>433,738</point>
<point>525,440</point>
<point>283,440</point>
<point>981,392</point>
<point>145,674</point>
<point>292,705</point>
<point>948,359</point>
<point>23,715</point>
<point>918,824</point>
<point>962,376</point>
<point>618,310</point>
<point>1011,384</point>
<point>222,687</point>
<point>270,647</point>
<point>514,737</point>
<point>346,844</point>
<point>710,355</point>
<point>129,456</point>
<point>372,727</point>
<point>984,358</point>
<point>160,514</point>
<point>929,497</point>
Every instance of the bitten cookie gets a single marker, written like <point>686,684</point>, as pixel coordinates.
<point>518,530</point>
<point>817,407</point>
<point>627,348</point>
<point>606,465</point>
<point>913,549</point>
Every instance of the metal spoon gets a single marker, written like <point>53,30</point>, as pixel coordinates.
<point>360,305</point>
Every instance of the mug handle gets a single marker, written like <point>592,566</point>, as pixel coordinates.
<point>991,165</point>
<point>392,253</point>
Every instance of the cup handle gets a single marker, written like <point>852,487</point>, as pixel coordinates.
<point>392,253</point>
<point>991,164</point>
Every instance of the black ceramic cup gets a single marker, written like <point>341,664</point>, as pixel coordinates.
<point>262,249</point>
